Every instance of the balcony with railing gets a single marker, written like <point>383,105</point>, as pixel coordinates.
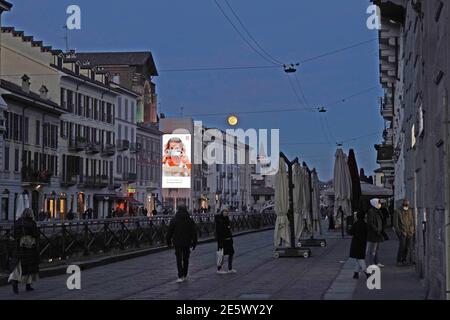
<point>129,177</point>
<point>78,144</point>
<point>387,109</point>
<point>108,150</point>
<point>70,181</point>
<point>31,176</point>
<point>95,182</point>
<point>135,147</point>
<point>388,136</point>
<point>93,148</point>
<point>123,145</point>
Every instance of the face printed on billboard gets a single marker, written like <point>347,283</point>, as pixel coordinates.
<point>176,163</point>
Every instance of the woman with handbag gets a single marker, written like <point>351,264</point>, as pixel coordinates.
<point>224,242</point>
<point>25,262</point>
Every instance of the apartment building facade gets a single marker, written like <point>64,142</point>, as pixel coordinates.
<point>414,43</point>
<point>134,71</point>
<point>149,158</point>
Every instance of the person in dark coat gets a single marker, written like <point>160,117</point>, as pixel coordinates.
<point>224,240</point>
<point>359,244</point>
<point>182,234</point>
<point>405,227</point>
<point>375,228</point>
<point>25,258</point>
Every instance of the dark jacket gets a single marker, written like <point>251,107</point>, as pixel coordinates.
<point>223,234</point>
<point>404,222</point>
<point>375,225</point>
<point>28,257</point>
<point>359,240</point>
<point>182,231</point>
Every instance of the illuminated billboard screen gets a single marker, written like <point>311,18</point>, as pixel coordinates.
<point>176,163</point>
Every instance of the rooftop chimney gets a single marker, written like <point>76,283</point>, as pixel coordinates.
<point>26,83</point>
<point>44,92</point>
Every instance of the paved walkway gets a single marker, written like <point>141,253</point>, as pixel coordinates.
<point>259,276</point>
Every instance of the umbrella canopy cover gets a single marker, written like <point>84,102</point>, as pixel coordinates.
<point>356,183</point>
<point>282,233</point>
<point>342,186</point>
<point>26,201</point>
<point>20,205</point>
<point>316,202</point>
<point>297,179</point>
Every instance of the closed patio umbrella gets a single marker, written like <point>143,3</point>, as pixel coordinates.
<point>26,201</point>
<point>282,206</point>
<point>316,202</point>
<point>306,205</point>
<point>342,187</point>
<point>20,205</point>
<point>356,183</point>
<point>297,179</point>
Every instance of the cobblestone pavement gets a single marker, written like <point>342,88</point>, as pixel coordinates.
<point>259,276</point>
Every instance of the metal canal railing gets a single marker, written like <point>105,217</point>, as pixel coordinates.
<point>63,240</point>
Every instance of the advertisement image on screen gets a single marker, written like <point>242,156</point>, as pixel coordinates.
<point>176,161</point>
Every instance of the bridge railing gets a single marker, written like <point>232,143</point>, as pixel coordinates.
<point>63,240</point>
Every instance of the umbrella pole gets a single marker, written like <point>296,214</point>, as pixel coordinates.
<point>293,251</point>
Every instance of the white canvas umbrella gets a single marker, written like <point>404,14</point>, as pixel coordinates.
<point>298,200</point>
<point>20,205</point>
<point>316,202</point>
<point>342,187</point>
<point>282,206</point>
<point>26,201</point>
<point>306,198</point>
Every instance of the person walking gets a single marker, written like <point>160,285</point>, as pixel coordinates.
<point>375,232</point>
<point>25,258</point>
<point>224,240</point>
<point>359,244</point>
<point>405,228</point>
<point>182,234</point>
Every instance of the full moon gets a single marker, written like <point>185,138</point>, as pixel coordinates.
<point>232,120</point>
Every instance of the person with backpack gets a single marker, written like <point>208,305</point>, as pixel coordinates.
<point>25,259</point>
<point>182,234</point>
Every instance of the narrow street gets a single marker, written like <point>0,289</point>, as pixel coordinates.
<point>260,276</point>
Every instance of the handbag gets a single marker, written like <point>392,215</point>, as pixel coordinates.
<point>27,241</point>
<point>220,257</point>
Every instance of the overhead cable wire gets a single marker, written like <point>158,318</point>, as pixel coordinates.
<point>242,36</point>
<point>344,141</point>
<point>249,34</point>
<point>276,109</point>
<point>322,124</point>
<point>333,52</point>
<point>273,65</point>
